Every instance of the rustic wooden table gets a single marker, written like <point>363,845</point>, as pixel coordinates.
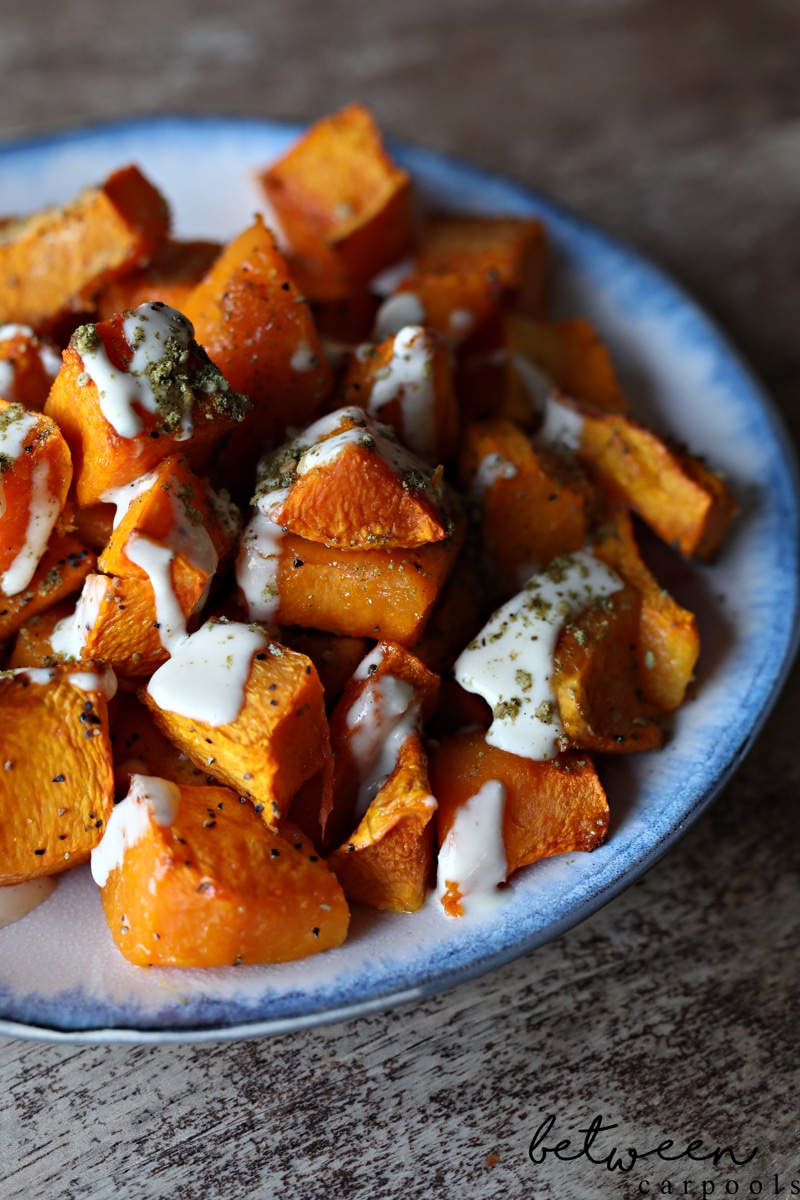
<point>673,1012</point>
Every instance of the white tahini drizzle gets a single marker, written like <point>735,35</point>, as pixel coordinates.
<point>123,497</point>
<point>404,308</point>
<point>206,676</point>
<point>473,855</point>
<point>68,638</point>
<point>408,378</point>
<point>102,681</point>
<point>146,330</point>
<point>491,468</point>
<point>257,567</point>
<point>383,717</point>
<point>156,559</point>
<point>510,662</point>
<point>18,899</point>
<point>562,426</point>
<point>149,799</point>
<point>304,358</point>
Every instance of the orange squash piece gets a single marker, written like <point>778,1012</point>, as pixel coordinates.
<point>551,807</point>
<point>32,646</point>
<point>668,641</point>
<point>533,506</point>
<point>685,503</point>
<point>388,859</point>
<point>277,739</point>
<point>378,593</point>
<point>28,365</point>
<point>115,619</point>
<point>35,475</point>
<point>213,887</point>
<point>345,482</point>
<point>570,354</point>
<point>453,303</point>
<point>596,679</point>
<point>56,788</point>
<point>342,203</point>
<point>179,511</point>
<point>161,395</point>
<point>384,704</point>
<point>257,327</point>
<point>57,261</point>
<point>407,381</point>
<point>62,569</point>
<point>512,249</point>
<point>172,273</point>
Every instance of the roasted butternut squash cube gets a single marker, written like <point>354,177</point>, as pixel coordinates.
<point>247,708</point>
<point>378,593</point>
<point>533,506</point>
<point>28,365</point>
<point>135,389</point>
<point>56,261</point>
<point>346,482</point>
<point>512,249</point>
<point>140,748</point>
<point>62,570</point>
<point>190,877</point>
<point>342,203</point>
<point>35,475</point>
<point>387,699</point>
<point>56,787</point>
<point>258,329</point>
<point>668,641</point>
<point>509,811</point>
<point>683,501</point>
<point>388,859</point>
<point>407,381</point>
<point>597,681</point>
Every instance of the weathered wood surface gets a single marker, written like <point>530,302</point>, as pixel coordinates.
<point>674,1011</point>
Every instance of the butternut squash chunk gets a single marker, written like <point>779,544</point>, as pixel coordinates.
<point>28,366</point>
<point>35,475</point>
<point>556,806</point>
<point>668,641</point>
<point>453,303</point>
<point>57,261</point>
<point>135,389</point>
<point>62,569</point>
<point>56,788</point>
<point>596,679</point>
<point>116,619</point>
<point>227,890</point>
<point>257,328</point>
<point>387,861</point>
<point>384,704</point>
<point>358,593</point>
<point>513,249</point>
<point>685,503</point>
<point>571,355</point>
<point>345,482</point>
<point>407,381</point>
<point>533,506</point>
<point>344,206</point>
<point>278,736</point>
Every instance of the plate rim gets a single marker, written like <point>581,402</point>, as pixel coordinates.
<point>772,685</point>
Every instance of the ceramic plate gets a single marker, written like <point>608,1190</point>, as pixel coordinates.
<point>60,975</point>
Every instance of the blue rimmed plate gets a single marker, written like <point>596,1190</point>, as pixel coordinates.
<point>61,977</point>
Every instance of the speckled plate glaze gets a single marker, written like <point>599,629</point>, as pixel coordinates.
<point>61,978</point>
